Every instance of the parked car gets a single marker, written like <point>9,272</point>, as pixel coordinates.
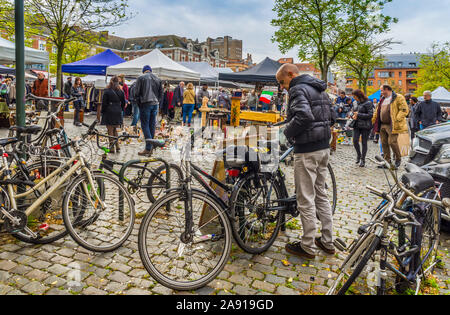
<point>431,151</point>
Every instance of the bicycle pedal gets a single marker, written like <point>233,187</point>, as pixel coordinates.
<point>340,245</point>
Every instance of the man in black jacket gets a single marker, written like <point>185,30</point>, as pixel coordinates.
<point>148,93</point>
<point>310,118</point>
<point>428,113</point>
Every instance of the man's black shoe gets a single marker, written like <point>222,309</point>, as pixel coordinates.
<point>322,247</point>
<point>297,250</point>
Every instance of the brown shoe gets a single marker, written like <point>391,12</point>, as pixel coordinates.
<point>322,247</point>
<point>145,153</point>
<point>297,250</point>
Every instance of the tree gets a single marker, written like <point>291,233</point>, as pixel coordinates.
<point>434,69</point>
<point>69,21</point>
<point>362,57</point>
<point>324,29</point>
<point>74,51</point>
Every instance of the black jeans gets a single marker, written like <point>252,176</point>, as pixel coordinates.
<point>357,134</point>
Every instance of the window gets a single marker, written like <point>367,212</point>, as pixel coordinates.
<point>54,50</point>
<point>370,83</point>
<point>41,45</point>
<point>379,83</point>
<point>400,74</point>
<point>413,64</point>
<point>400,82</point>
<point>385,74</point>
<point>400,64</point>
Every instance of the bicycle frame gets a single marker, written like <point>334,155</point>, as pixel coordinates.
<point>75,163</point>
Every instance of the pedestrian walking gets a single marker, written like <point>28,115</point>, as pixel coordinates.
<point>362,125</point>
<point>135,107</point>
<point>390,121</point>
<point>79,104</point>
<point>413,123</point>
<point>188,104</point>
<point>428,113</point>
<point>178,101</point>
<point>113,103</point>
<point>67,90</point>
<point>310,116</point>
<point>148,93</point>
<point>126,90</point>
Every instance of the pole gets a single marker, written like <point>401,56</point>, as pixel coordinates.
<point>20,63</point>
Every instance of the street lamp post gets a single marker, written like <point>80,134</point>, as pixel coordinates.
<point>20,63</point>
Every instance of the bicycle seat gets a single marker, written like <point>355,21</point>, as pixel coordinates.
<point>418,182</point>
<point>31,130</point>
<point>412,168</point>
<point>156,143</point>
<point>7,141</point>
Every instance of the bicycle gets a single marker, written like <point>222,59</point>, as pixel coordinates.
<point>415,214</point>
<point>134,173</point>
<point>48,136</point>
<point>246,182</point>
<point>180,247</point>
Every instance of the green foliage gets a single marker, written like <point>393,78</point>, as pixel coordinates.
<point>69,21</point>
<point>435,69</point>
<point>324,29</point>
<point>362,57</point>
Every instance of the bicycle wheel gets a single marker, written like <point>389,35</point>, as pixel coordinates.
<point>46,221</point>
<point>156,186</point>
<point>94,228</point>
<point>331,187</point>
<point>429,240</point>
<point>360,266</point>
<point>255,228</point>
<point>185,264</point>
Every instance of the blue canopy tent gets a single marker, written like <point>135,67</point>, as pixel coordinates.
<point>6,70</point>
<point>95,65</point>
<point>376,96</point>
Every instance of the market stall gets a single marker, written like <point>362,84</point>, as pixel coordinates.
<point>32,56</point>
<point>95,65</point>
<point>162,66</point>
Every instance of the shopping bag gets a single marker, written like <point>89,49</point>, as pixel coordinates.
<point>404,143</point>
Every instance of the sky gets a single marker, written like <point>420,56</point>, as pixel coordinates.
<point>420,23</point>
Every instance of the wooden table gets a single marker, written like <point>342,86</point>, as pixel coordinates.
<point>269,118</point>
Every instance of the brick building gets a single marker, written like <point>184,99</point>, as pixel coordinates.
<point>179,49</point>
<point>304,68</point>
<point>399,71</point>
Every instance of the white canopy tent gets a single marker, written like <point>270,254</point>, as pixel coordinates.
<point>32,56</point>
<point>162,66</point>
<point>440,95</point>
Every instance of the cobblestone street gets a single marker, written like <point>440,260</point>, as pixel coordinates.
<point>64,268</point>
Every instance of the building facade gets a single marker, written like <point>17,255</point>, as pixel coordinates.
<point>399,71</point>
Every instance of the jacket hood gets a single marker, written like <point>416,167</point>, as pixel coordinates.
<point>318,84</point>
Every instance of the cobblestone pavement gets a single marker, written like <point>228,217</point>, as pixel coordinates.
<point>64,268</point>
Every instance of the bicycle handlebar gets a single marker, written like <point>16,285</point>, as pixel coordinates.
<point>445,203</point>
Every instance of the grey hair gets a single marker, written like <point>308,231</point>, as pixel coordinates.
<point>427,93</point>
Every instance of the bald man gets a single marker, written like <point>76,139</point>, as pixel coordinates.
<point>310,116</point>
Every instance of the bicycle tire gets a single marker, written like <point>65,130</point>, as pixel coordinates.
<point>152,268</point>
<point>361,265</point>
<point>98,234</point>
<point>335,193</point>
<point>237,222</point>
<point>20,203</point>
<point>174,169</point>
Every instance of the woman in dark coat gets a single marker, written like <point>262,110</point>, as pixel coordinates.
<point>363,125</point>
<point>113,103</point>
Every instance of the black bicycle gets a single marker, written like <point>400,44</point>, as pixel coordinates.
<point>140,179</point>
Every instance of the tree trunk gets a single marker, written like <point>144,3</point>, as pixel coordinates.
<point>324,70</point>
<point>59,79</point>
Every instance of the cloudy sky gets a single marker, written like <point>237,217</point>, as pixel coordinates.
<point>421,22</point>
